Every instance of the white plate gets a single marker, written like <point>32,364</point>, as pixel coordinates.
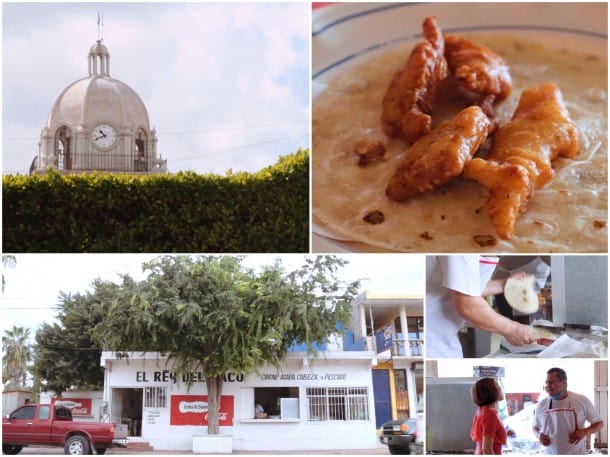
<point>344,35</point>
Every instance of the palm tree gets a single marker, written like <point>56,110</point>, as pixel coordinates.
<point>16,355</point>
<point>8,261</point>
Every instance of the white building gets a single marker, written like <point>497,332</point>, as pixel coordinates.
<point>312,404</point>
<point>98,123</point>
<point>85,405</point>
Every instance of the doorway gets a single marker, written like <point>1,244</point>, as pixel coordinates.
<point>127,409</point>
<point>383,401</point>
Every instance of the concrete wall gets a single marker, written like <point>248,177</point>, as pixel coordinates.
<point>11,400</point>
<point>251,434</point>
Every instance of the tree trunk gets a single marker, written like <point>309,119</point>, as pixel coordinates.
<point>214,385</point>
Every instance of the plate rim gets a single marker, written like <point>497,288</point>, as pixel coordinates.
<point>340,14</point>
<point>319,41</point>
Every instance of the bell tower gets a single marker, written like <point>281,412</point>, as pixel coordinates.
<point>98,123</point>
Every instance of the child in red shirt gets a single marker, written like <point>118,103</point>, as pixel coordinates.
<point>487,428</point>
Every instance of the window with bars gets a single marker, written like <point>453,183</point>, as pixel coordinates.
<point>155,397</point>
<point>338,403</point>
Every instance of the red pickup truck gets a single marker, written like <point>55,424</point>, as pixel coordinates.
<point>52,425</point>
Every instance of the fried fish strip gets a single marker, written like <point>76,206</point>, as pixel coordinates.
<point>478,69</point>
<point>407,103</point>
<point>440,155</point>
<point>521,155</point>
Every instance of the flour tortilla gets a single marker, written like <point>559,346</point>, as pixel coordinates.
<point>520,295</point>
<point>541,332</point>
<point>567,215</point>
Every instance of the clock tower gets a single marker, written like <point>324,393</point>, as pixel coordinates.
<point>98,123</point>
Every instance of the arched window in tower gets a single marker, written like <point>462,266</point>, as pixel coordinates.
<point>62,148</point>
<point>141,156</point>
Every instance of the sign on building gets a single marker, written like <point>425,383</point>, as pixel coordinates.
<point>193,410</point>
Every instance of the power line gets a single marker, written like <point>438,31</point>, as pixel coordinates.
<point>237,148</point>
<point>244,127</point>
<point>19,308</point>
<point>191,132</point>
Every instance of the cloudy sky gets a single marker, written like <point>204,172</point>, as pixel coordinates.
<point>33,285</point>
<point>226,85</point>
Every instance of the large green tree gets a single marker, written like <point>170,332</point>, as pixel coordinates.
<point>211,313</point>
<point>65,354</point>
<point>15,357</point>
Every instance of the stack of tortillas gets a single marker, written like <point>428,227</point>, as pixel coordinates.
<point>520,294</point>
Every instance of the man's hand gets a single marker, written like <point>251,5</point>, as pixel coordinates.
<point>577,435</point>
<point>517,275</point>
<point>519,334</point>
<point>545,440</point>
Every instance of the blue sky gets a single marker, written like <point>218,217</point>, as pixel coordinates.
<point>226,85</point>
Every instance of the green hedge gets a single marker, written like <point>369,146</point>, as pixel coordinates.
<point>267,211</point>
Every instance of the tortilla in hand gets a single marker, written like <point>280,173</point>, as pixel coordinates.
<point>520,294</point>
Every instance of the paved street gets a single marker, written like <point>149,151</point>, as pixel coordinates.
<point>60,451</point>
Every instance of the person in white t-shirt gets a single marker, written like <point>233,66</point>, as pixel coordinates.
<point>455,287</point>
<point>560,418</point>
<point>259,412</point>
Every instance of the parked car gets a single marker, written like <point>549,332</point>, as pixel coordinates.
<point>399,435</point>
<point>51,425</point>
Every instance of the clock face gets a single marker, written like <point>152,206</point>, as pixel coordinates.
<point>104,136</point>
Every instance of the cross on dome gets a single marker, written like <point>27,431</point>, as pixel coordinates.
<point>100,26</point>
<point>99,57</point>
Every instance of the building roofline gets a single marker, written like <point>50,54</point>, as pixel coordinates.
<point>323,355</point>
<point>374,295</point>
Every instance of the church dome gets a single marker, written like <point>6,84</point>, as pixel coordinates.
<point>98,98</point>
<point>92,100</point>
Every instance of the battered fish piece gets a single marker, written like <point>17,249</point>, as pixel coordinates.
<point>408,101</point>
<point>479,70</point>
<point>521,155</point>
<point>440,155</point>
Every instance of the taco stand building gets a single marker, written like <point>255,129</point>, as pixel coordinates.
<point>310,404</point>
<point>335,401</point>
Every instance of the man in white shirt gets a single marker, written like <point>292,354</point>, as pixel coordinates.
<point>455,286</point>
<point>259,412</point>
<point>560,418</point>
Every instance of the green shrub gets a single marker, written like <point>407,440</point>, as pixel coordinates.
<point>266,211</point>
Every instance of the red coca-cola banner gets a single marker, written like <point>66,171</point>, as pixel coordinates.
<point>78,406</point>
<point>193,410</point>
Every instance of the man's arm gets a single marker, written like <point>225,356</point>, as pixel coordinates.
<point>582,433</point>
<point>593,417</point>
<point>494,287</point>
<point>545,440</point>
<point>477,311</point>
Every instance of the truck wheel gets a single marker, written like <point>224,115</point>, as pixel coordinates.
<point>11,449</point>
<point>398,450</point>
<point>77,445</point>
